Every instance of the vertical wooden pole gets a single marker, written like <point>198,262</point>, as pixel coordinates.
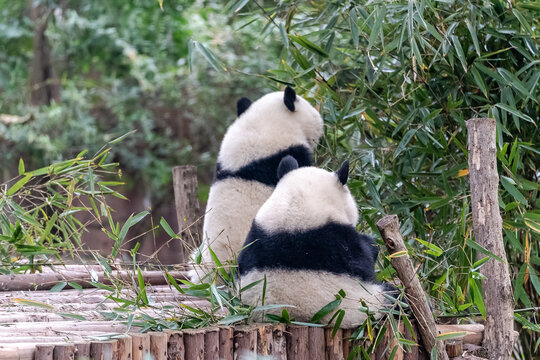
<point>389,228</point>
<point>226,345</point>
<point>264,340</point>
<point>125,348</point>
<point>334,344</point>
<point>104,350</point>
<point>487,226</point>
<point>186,201</point>
<point>194,344</point>
<point>211,344</point>
<point>316,343</point>
<point>175,346</point>
<point>64,352</point>
<point>297,342</point>
<point>158,345</point>
<point>44,352</point>
<point>83,351</point>
<point>245,342</point>
<point>279,342</point>
<point>140,345</point>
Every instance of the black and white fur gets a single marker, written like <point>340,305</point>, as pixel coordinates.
<point>276,125</point>
<point>304,240</point>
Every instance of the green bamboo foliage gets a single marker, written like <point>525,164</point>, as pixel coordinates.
<point>396,82</point>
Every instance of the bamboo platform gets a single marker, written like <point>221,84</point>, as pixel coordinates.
<point>36,324</point>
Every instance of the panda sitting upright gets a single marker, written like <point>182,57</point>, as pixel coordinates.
<point>278,124</point>
<point>304,240</point>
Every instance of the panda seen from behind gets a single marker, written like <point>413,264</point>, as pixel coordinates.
<point>278,124</point>
<point>304,240</point>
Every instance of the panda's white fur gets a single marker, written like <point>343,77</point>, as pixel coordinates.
<point>306,200</point>
<point>266,128</point>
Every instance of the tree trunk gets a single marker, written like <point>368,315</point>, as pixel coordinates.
<point>44,84</point>
<point>487,225</point>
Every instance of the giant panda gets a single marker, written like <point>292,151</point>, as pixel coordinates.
<point>304,240</point>
<point>276,125</point>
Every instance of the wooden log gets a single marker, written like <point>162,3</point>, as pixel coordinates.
<point>64,352</point>
<point>140,345</point>
<point>347,342</point>
<point>454,348</point>
<point>334,344</point>
<point>194,344</point>
<point>188,211</point>
<point>297,338</point>
<point>158,345</point>
<point>211,344</point>
<point>43,352</point>
<point>104,350</point>
<point>245,341</point>
<point>106,326</point>
<point>264,339</point>
<point>487,226</point>
<point>46,281</point>
<point>226,343</point>
<point>316,343</point>
<point>8,353</point>
<point>279,347</point>
<point>389,229</point>
<point>83,351</point>
<point>175,345</point>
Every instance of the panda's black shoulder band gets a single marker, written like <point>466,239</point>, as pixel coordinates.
<point>334,248</point>
<point>265,170</point>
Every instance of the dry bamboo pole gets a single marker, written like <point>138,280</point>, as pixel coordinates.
<point>487,226</point>
<point>316,343</point>
<point>158,345</point>
<point>187,206</point>
<point>297,342</point>
<point>389,228</point>
<point>175,345</point>
<point>226,342</point>
<point>46,281</point>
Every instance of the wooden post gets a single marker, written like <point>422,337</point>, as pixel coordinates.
<point>454,348</point>
<point>389,228</point>
<point>334,344</point>
<point>44,352</point>
<point>487,226</point>
<point>297,342</point>
<point>316,343</point>
<point>64,352</point>
<point>226,343</point>
<point>211,344</point>
<point>245,342</point>
<point>186,201</point>
<point>83,351</point>
<point>194,344</point>
<point>264,340</point>
<point>140,345</point>
<point>104,350</point>
<point>175,346</point>
<point>125,348</point>
<point>279,346</point>
<point>158,345</point>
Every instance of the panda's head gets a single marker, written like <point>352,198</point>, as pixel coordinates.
<point>283,112</point>
<point>307,198</point>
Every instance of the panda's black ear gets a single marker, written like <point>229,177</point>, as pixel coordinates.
<point>343,172</point>
<point>289,97</point>
<point>288,163</point>
<point>242,105</point>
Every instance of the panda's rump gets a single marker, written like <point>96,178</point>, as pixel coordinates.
<point>309,291</point>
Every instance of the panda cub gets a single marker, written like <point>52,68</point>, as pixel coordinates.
<point>304,240</point>
<point>278,124</point>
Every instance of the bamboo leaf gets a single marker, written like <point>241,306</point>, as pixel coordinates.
<point>19,184</point>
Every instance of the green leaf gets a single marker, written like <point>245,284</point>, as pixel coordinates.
<point>404,142</point>
<point>21,166</point>
<point>472,31</point>
<point>459,52</point>
<point>305,43</point>
<point>515,112</point>
<point>130,222</point>
<point>58,286</point>
<point>19,184</point>
<point>512,190</point>
<point>165,225</point>
<point>473,244</point>
<point>142,286</point>
<point>120,138</point>
<point>451,335</point>
<point>327,309</point>
<point>72,316</point>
